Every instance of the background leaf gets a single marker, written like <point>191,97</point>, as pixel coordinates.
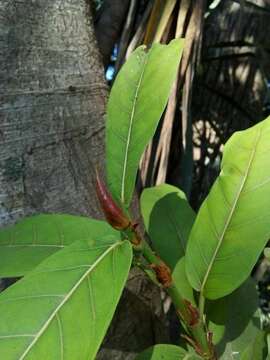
<point>268,346</point>
<point>168,219</point>
<point>257,349</point>
<point>168,352</point>
<point>137,101</point>
<point>234,320</point>
<point>24,245</point>
<point>233,224</point>
<point>59,310</point>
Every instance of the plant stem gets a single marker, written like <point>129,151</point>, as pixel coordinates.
<point>191,317</point>
<point>195,328</point>
<point>201,305</point>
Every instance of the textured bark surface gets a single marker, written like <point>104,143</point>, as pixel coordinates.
<point>52,100</point>
<point>52,105</point>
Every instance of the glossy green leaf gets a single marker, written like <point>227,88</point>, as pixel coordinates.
<point>233,224</point>
<point>168,219</point>
<point>62,309</point>
<point>137,101</point>
<point>234,320</point>
<point>166,352</point>
<point>24,245</point>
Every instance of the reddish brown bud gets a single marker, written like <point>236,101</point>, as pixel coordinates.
<point>113,213</point>
<point>163,274</point>
<point>194,315</point>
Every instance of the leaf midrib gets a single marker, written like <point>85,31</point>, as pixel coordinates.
<point>34,245</point>
<point>227,223</point>
<point>123,180</point>
<point>66,298</point>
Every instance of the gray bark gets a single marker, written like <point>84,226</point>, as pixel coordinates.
<point>52,102</point>
<point>52,105</point>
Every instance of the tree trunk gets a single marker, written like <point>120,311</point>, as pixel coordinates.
<point>52,105</point>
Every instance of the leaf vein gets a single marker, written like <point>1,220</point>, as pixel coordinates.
<point>66,298</point>
<point>61,338</point>
<point>234,205</point>
<point>130,131</point>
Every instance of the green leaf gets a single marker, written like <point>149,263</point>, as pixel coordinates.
<point>137,101</point>
<point>181,282</point>
<point>268,346</point>
<point>166,352</point>
<point>168,219</point>
<point>24,245</point>
<point>234,320</point>
<point>62,309</point>
<point>257,349</point>
<point>233,224</point>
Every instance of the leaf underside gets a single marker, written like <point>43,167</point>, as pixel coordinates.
<point>257,348</point>
<point>168,219</point>
<point>63,308</point>
<point>137,101</point>
<point>233,224</point>
<point>24,245</point>
<point>234,320</point>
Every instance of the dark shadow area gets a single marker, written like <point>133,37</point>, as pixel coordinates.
<point>139,321</point>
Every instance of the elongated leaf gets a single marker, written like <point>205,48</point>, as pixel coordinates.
<point>234,320</point>
<point>137,101</point>
<point>168,219</point>
<point>168,352</point>
<point>24,245</point>
<point>233,224</point>
<point>62,309</point>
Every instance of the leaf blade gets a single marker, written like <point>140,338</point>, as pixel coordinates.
<point>221,250</point>
<point>168,219</point>
<point>234,320</point>
<point>135,106</point>
<point>59,289</point>
<point>257,349</point>
<point>24,245</point>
